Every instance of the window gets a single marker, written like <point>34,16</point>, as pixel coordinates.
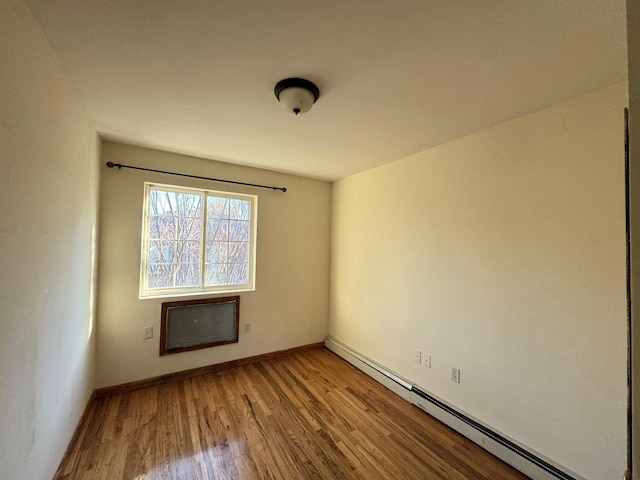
<point>196,241</point>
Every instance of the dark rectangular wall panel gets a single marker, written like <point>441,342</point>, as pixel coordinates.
<point>193,324</point>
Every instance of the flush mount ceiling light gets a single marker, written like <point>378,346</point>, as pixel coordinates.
<point>296,94</point>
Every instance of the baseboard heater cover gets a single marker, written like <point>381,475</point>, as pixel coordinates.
<point>522,459</point>
<point>543,468</point>
<point>393,382</point>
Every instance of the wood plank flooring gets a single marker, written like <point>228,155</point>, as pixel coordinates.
<point>310,415</point>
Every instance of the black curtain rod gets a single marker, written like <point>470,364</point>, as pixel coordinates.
<point>119,165</point>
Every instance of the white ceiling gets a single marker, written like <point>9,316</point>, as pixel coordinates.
<point>395,77</point>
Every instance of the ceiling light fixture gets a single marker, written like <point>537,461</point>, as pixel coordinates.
<point>296,94</point>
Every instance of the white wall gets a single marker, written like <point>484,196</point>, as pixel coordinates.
<point>503,254</point>
<point>633,35</point>
<point>290,305</point>
<point>48,194</point>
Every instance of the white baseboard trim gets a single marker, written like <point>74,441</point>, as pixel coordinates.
<point>508,450</point>
<point>393,382</point>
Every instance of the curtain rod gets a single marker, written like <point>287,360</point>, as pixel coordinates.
<point>119,165</point>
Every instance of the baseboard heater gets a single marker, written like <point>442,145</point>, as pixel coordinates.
<point>531,464</point>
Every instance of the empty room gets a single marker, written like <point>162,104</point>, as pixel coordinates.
<point>319,240</point>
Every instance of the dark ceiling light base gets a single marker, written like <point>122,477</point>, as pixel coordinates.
<point>296,94</point>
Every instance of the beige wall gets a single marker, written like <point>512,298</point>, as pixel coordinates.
<point>290,305</point>
<point>503,254</point>
<point>633,34</point>
<point>48,194</point>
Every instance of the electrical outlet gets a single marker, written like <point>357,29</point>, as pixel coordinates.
<point>417,356</point>
<point>147,332</point>
<point>247,327</point>
<point>455,374</point>
<point>426,360</point>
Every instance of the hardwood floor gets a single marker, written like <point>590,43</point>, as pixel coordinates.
<point>307,416</point>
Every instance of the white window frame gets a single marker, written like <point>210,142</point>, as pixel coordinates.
<point>145,293</point>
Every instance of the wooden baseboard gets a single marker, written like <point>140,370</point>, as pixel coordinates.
<point>68,458</point>
<point>194,372</point>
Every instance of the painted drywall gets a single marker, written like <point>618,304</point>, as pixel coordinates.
<point>289,307</point>
<point>502,254</point>
<point>48,193</point>
<point>633,37</point>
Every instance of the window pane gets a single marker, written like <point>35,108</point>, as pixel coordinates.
<point>217,229</point>
<point>238,252</point>
<point>155,254</point>
<point>189,228</point>
<point>218,252</point>
<point>162,202</point>
<point>173,239</point>
<point>238,230</point>
<point>238,274</point>
<point>187,252</point>
<point>160,275</point>
<point>189,205</point>
<point>173,264</point>
<point>216,274</point>
<point>166,202</point>
<point>187,275</point>
<point>161,251</point>
<point>217,207</point>
<point>239,209</point>
<point>162,226</point>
